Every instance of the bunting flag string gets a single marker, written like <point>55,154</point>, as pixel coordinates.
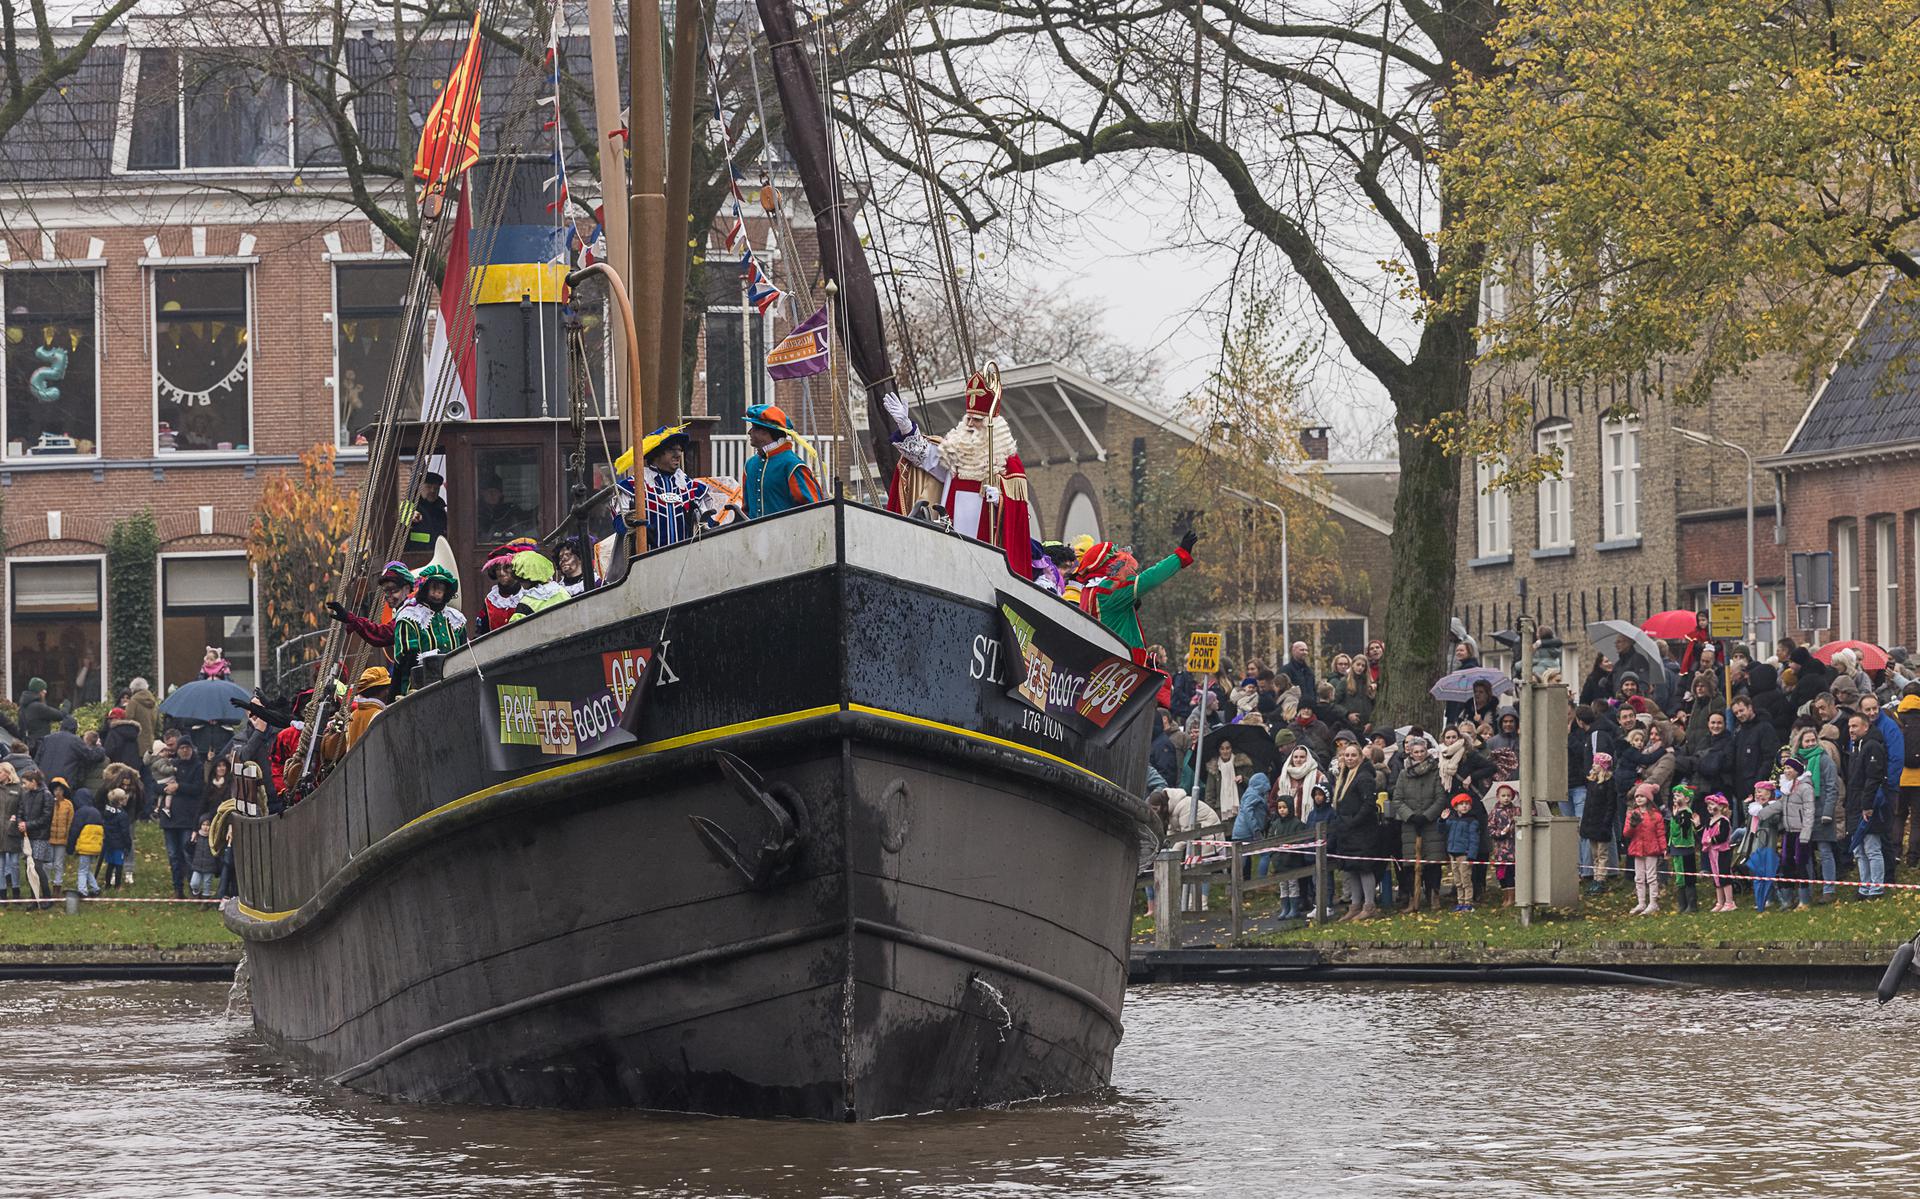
<point>761,292</point>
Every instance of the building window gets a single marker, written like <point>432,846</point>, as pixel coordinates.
<point>1556,502</point>
<point>202,361</point>
<point>1846,570</point>
<point>52,375</point>
<point>57,628</point>
<point>1620,464</point>
<point>369,325</point>
<point>1493,298</point>
<point>1886,579</point>
<point>1493,507</point>
<point>737,343</point>
<point>206,603</point>
<point>227,110</point>
<point>1081,517</point>
<point>1766,618</point>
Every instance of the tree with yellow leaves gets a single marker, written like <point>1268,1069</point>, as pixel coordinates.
<point>1691,184</point>
<point>298,545</point>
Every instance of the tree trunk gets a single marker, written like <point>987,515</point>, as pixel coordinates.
<point>1426,517</point>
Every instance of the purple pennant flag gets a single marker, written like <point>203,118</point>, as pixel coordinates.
<point>802,352</point>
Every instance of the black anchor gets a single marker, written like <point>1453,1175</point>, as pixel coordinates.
<point>767,864</point>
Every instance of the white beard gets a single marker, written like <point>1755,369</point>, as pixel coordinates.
<point>964,450</point>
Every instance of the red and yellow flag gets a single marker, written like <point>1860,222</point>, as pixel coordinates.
<point>450,141</point>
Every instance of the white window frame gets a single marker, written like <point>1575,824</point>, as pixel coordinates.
<point>13,592</point>
<point>746,313</point>
<point>1555,500</point>
<point>160,610</point>
<point>1493,512</point>
<point>1846,579</point>
<point>246,266</point>
<point>334,263</point>
<point>92,267</point>
<point>1620,480</point>
<point>1886,578</point>
<point>1766,633</point>
<point>1493,297</point>
<point>129,85</point>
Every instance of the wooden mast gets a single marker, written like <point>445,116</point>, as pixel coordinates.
<point>673,265</point>
<point>842,258</point>
<point>646,134</point>
<point>613,183</point>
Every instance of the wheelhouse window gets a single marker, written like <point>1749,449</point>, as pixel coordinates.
<point>203,360</point>
<point>369,327</point>
<point>56,632</point>
<point>206,602</point>
<point>52,365</point>
<point>507,485</point>
<point>234,109</point>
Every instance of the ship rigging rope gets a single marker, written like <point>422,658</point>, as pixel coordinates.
<point>382,466</point>
<point>842,224</point>
<point>914,111</point>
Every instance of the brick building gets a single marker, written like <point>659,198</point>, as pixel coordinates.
<point>1849,481</point>
<point>1639,520</point>
<point>193,300</point>
<point>1087,448</point>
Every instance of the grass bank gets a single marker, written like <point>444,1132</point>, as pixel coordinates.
<point>103,922</point>
<point>1604,921</point>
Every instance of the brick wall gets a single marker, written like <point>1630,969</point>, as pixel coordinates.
<point>1817,501</point>
<point>1566,588</point>
<point>290,338</point>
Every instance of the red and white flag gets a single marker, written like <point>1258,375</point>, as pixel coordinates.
<point>450,362</point>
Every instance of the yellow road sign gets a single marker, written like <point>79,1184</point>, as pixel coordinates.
<point>1203,653</point>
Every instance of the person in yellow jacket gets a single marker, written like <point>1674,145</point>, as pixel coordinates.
<point>87,839</point>
<point>1907,715</point>
<point>370,693</point>
<point>57,835</point>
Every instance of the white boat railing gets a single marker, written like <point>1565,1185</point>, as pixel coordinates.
<point>730,452</point>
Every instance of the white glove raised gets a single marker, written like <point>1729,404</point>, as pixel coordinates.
<point>897,409</point>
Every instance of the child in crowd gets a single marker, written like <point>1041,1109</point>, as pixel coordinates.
<point>86,838</point>
<point>1283,823</point>
<point>1762,847</point>
<point>1716,847</point>
<point>1500,825</point>
<point>1646,832</point>
<point>1462,832</point>
<point>1798,808</point>
<point>1600,818</point>
<point>1320,824</point>
<point>205,882</point>
<point>118,849</point>
<point>1683,840</point>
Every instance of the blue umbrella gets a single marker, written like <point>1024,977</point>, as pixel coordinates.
<point>208,700</point>
<point>1458,686</point>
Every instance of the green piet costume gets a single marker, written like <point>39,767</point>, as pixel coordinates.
<point>420,629</point>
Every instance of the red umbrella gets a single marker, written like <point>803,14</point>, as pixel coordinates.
<point>1872,657</point>
<point>1677,622</point>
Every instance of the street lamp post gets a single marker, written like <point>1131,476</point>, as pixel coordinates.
<point>1749,598</point>
<point>1286,623</point>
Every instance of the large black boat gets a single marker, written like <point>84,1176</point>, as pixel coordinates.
<point>918,896</point>
<point>826,814</point>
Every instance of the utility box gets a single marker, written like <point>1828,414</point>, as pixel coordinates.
<point>1546,845</point>
<point>1556,863</point>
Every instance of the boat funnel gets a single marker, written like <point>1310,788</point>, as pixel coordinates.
<point>519,255</point>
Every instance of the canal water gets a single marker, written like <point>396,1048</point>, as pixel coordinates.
<point>150,1089</point>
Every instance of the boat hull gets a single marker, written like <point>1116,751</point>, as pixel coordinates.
<point>950,932</point>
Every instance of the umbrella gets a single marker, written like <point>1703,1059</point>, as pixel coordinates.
<point>1458,686</point>
<point>1601,634</point>
<point>1672,624</point>
<point>210,700</point>
<point>1872,657</point>
<point>1255,741</point>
